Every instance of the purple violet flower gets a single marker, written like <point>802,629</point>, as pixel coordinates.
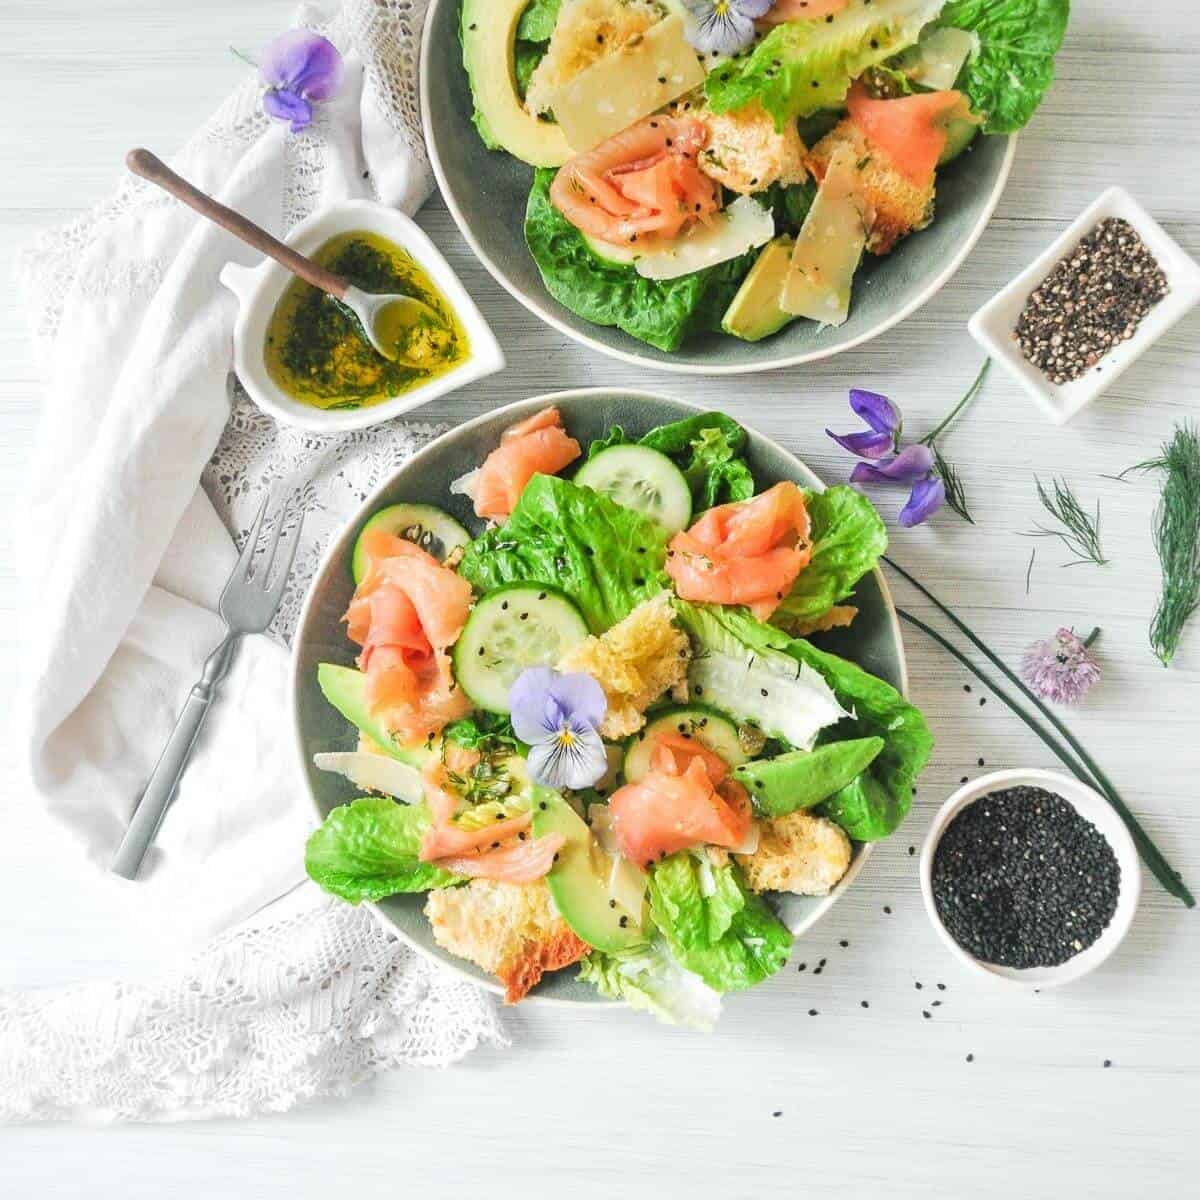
<point>559,716</point>
<point>298,68</point>
<point>1062,668</point>
<point>880,444</point>
<point>724,26</point>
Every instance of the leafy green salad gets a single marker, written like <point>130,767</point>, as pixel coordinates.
<point>704,166</point>
<point>602,735</point>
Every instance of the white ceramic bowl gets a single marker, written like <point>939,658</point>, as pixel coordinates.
<point>1092,807</point>
<point>992,326</point>
<point>258,290</point>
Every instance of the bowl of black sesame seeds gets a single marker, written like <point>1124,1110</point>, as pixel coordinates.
<point>1029,877</point>
<point>1087,308</point>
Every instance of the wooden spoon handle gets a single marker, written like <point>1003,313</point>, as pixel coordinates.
<point>152,168</point>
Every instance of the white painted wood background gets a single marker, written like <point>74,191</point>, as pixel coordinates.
<point>873,1102</point>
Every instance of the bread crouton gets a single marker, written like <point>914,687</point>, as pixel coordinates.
<point>635,662</point>
<point>745,151</point>
<point>897,206</point>
<point>840,616</point>
<point>798,853</point>
<point>586,31</point>
<point>509,929</point>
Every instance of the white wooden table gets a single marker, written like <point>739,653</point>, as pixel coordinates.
<point>871,1102</point>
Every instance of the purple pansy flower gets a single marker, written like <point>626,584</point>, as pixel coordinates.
<point>880,444</point>
<point>299,67</point>
<point>559,716</point>
<point>1062,668</point>
<point>724,26</point>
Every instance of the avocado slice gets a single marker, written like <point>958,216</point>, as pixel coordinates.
<point>345,689</point>
<point>803,778</point>
<point>754,313</point>
<point>578,880</point>
<point>960,133</point>
<point>489,33</point>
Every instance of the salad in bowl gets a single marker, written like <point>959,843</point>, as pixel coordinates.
<point>597,736</point>
<point>734,167</point>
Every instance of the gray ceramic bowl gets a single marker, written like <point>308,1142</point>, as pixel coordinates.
<point>874,642</point>
<point>486,192</point>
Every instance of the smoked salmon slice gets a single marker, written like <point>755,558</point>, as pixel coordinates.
<point>446,840</point>
<point>523,863</point>
<point>748,552</point>
<point>802,10</point>
<point>405,612</point>
<point>675,807</point>
<point>911,130</point>
<point>642,182</point>
<point>537,446</point>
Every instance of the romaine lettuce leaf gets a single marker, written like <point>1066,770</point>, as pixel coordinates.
<point>865,809</point>
<point>648,978</point>
<point>538,20</point>
<point>803,66</point>
<point>660,312</point>
<point>848,536</point>
<point>707,448</point>
<point>368,849</point>
<point>878,711</point>
<point>1018,39</point>
<point>608,559</point>
<point>714,924</point>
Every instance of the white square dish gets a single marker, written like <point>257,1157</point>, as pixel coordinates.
<point>993,325</point>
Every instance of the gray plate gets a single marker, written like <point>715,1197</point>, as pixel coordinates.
<point>486,192</point>
<point>320,637</point>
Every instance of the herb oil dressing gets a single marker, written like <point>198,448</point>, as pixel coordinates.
<point>316,350</point>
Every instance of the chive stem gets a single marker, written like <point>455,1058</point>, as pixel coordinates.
<point>1170,879</point>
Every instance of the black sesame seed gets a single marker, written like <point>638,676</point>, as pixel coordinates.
<point>926,1014</point>
<point>970,1058</point>
<point>911,851</point>
<point>941,987</point>
<point>887,908</point>
<point>981,760</point>
<point>801,966</point>
<point>777,1113</point>
<point>1108,1062</point>
<point>812,1012</point>
<point>1020,879</point>
<point>864,1004</point>
<point>918,985</point>
<point>843,944</point>
<point>624,921</point>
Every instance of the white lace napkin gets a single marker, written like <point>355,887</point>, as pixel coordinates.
<point>123,557</point>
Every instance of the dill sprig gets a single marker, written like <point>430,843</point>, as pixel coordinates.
<point>956,493</point>
<point>1080,531</point>
<point>1177,539</point>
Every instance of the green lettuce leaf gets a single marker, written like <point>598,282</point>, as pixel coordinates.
<point>526,56</point>
<point>707,448</point>
<point>660,312</point>
<point>648,978</point>
<point>1008,75</point>
<point>803,66</point>
<point>538,20</point>
<point>614,437</point>
<point>368,849</point>
<point>714,924</point>
<point>865,809</point>
<point>608,559</point>
<point>789,203</point>
<point>878,711</point>
<point>848,537</point>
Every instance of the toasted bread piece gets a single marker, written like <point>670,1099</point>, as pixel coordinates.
<point>798,853</point>
<point>896,205</point>
<point>745,151</point>
<point>840,616</point>
<point>509,929</point>
<point>635,662</point>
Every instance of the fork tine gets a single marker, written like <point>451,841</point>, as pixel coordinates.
<point>276,534</point>
<point>242,570</point>
<point>275,591</point>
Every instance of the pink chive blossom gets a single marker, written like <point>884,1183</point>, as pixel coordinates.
<point>1062,668</point>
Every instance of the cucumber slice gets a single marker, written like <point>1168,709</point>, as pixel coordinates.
<point>712,729</point>
<point>617,256</point>
<point>642,479</point>
<point>513,627</point>
<point>422,524</point>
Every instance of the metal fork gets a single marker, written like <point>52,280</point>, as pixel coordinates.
<point>249,601</point>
